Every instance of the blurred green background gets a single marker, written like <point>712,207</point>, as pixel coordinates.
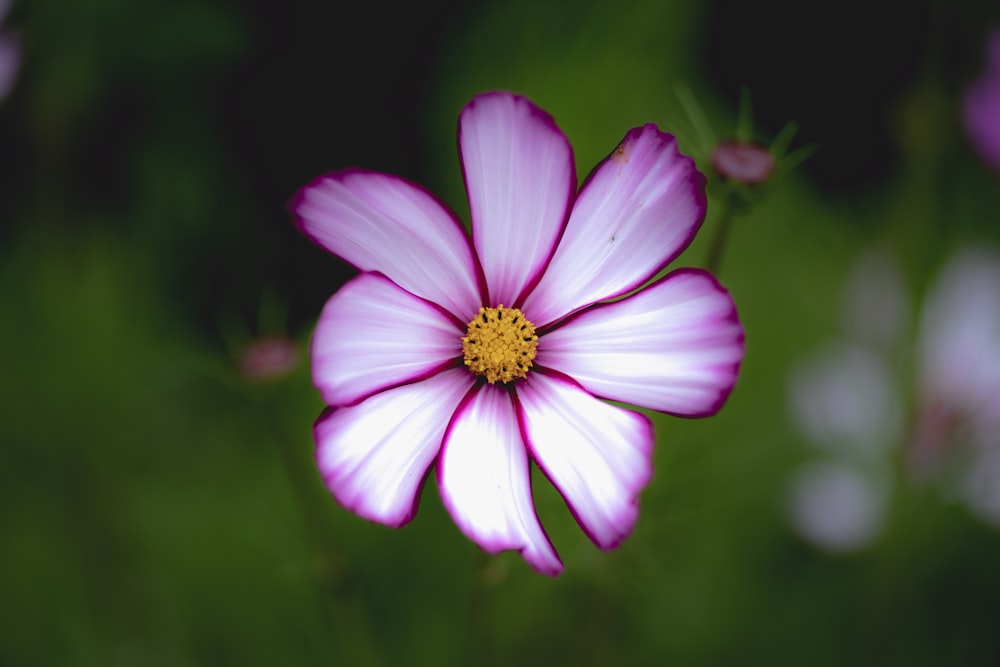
<point>159,504</point>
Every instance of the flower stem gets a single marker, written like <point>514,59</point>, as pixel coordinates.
<point>721,232</point>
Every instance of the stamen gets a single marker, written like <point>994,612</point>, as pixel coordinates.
<point>503,348</point>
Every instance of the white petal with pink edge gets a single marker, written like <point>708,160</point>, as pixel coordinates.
<point>520,176</point>
<point>485,482</point>
<point>599,456</point>
<point>637,211</point>
<point>374,455</point>
<point>373,334</point>
<point>383,223</point>
<point>675,347</point>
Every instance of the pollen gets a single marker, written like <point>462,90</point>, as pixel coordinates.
<point>500,344</point>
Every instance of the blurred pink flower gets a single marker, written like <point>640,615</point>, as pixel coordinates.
<point>10,54</point>
<point>481,355</point>
<point>981,106</point>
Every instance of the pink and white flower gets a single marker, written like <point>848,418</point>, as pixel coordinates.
<point>481,355</point>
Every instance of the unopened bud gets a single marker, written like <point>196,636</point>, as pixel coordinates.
<point>268,359</point>
<point>742,162</point>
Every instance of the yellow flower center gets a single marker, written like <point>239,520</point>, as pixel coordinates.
<point>500,344</point>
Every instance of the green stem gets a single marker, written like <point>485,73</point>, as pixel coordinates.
<point>721,233</point>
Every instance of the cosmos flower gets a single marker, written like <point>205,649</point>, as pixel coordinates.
<point>981,106</point>
<point>479,356</point>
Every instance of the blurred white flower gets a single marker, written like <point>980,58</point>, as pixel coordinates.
<point>848,399</point>
<point>835,507</point>
<point>843,399</point>
<point>959,369</point>
<point>959,343</point>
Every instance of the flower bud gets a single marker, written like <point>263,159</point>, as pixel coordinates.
<point>268,359</point>
<point>742,162</point>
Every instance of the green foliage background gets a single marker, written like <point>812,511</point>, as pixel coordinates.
<point>157,508</point>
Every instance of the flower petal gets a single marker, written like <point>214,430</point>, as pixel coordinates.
<point>373,334</point>
<point>382,223</point>
<point>675,346</point>
<point>520,176</point>
<point>485,483</point>
<point>637,211</point>
<point>599,456</point>
<point>373,456</point>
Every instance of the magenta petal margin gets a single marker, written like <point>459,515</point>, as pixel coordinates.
<point>387,352</point>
